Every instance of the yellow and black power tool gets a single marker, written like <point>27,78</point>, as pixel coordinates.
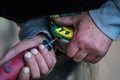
<point>63,32</point>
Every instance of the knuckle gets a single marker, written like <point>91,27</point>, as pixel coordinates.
<point>45,71</point>
<point>96,59</point>
<point>92,59</point>
<point>54,61</point>
<point>52,64</point>
<point>77,59</point>
<point>35,76</point>
<point>101,50</point>
<point>94,62</point>
<point>87,60</point>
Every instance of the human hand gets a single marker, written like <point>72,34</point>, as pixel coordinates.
<point>88,43</point>
<point>38,62</point>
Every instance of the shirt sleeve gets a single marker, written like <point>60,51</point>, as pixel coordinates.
<point>107,18</point>
<point>33,27</point>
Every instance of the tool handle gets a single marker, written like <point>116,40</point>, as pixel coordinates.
<point>11,69</point>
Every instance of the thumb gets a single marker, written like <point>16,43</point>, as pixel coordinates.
<point>63,21</point>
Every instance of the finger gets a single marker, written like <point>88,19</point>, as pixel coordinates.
<point>64,21</point>
<point>40,61</point>
<point>49,56</point>
<point>25,74</point>
<point>96,59</point>
<point>5,58</point>
<point>89,58</point>
<point>80,55</point>
<point>31,62</point>
<point>16,50</point>
<point>92,58</point>
<point>72,48</point>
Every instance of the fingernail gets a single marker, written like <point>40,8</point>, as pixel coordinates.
<point>28,55</point>
<point>34,51</point>
<point>26,70</point>
<point>41,46</point>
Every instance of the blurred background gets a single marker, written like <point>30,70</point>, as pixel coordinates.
<point>106,69</point>
<point>8,35</point>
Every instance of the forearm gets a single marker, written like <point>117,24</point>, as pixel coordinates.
<point>107,18</point>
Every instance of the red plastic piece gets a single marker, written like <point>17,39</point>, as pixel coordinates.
<point>11,69</point>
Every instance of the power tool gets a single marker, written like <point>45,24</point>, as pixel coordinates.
<point>63,33</point>
<point>11,69</point>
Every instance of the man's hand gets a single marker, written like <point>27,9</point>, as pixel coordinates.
<point>38,62</point>
<point>88,43</point>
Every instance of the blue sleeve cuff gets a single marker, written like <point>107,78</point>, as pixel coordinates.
<point>35,26</point>
<point>107,19</point>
